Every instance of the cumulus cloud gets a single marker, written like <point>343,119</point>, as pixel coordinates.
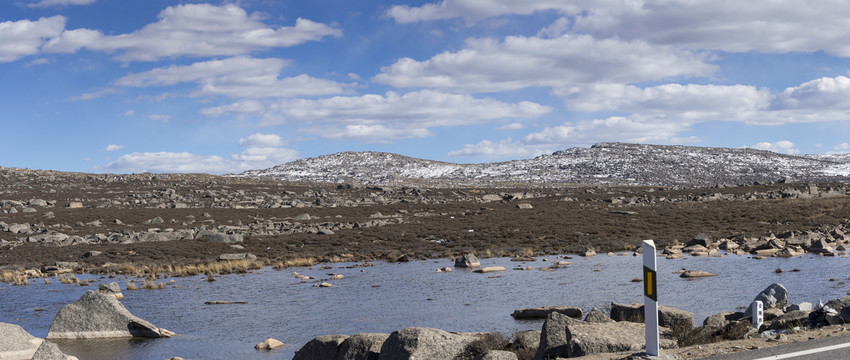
<point>240,77</point>
<point>842,146</point>
<point>49,3</point>
<point>727,25</point>
<point>488,65</point>
<point>22,38</point>
<point>113,147</point>
<point>160,117</point>
<point>783,147</point>
<point>262,140</point>
<point>194,30</point>
<point>475,10</point>
<point>263,151</point>
<point>633,129</point>
<point>506,148</point>
<point>383,117</point>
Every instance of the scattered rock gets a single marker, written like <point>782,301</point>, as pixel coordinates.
<point>98,315</point>
<point>269,344</point>
<point>543,312</point>
<point>237,256</point>
<point>597,316</point>
<point>524,206</point>
<point>488,269</point>
<point>789,320</point>
<point>690,274</point>
<point>212,236</point>
<point>111,289</point>
<point>667,316</point>
<point>774,296</point>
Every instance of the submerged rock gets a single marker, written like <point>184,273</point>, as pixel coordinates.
<point>269,344</point>
<point>51,351</point>
<point>543,312</point>
<point>98,315</point>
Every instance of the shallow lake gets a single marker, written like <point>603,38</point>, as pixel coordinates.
<point>390,296</point>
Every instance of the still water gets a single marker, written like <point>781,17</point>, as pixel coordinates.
<point>387,297</point>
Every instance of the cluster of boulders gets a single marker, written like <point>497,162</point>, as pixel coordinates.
<point>828,240</point>
<point>811,191</point>
<point>42,235</point>
<point>568,332</point>
<point>97,314</point>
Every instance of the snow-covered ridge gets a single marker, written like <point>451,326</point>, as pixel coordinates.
<point>603,163</point>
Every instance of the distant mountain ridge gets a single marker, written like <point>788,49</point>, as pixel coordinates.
<point>603,163</point>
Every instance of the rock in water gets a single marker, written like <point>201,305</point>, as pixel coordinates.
<point>322,347</point>
<point>111,289</point>
<point>269,344</point>
<point>16,343</point>
<point>543,312</point>
<point>774,296</point>
<point>690,274</point>
<point>467,261</point>
<point>364,346</point>
<point>98,315</point>
<point>424,343</point>
<point>51,351</point>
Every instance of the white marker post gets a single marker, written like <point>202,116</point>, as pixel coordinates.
<point>757,309</point>
<point>650,297</point>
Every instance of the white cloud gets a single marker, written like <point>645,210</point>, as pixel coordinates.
<point>113,147</point>
<point>234,77</point>
<point>506,148</point>
<point>369,133</point>
<point>783,147</point>
<point>129,112</point>
<point>511,126</point>
<point>842,146</point>
<point>487,65</point>
<point>160,117</point>
<point>262,140</point>
<point>185,162</point>
<point>632,129</point>
<point>379,117</point>
<point>194,30</point>
<point>24,37</point>
<point>475,10</point>
<point>728,25</point>
<point>94,94</point>
<point>48,3</point>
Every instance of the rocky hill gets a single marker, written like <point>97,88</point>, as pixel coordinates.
<point>603,163</point>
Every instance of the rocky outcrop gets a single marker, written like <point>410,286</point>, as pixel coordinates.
<point>17,343</point>
<point>424,343</point>
<point>565,337</point>
<point>363,346</point>
<point>321,348</point>
<point>597,316</point>
<point>544,311</point>
<point>98,315</point>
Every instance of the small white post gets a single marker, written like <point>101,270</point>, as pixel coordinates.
<point>757,309</point>
<point>650,297</point>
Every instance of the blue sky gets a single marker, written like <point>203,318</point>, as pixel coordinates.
<point>221,87</point>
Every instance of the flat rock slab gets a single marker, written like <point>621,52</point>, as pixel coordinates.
<point>98,315</point>
<point>544,311</point>
<point>17,343</point>
<point>691,274</point>
<point>488,269</point>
